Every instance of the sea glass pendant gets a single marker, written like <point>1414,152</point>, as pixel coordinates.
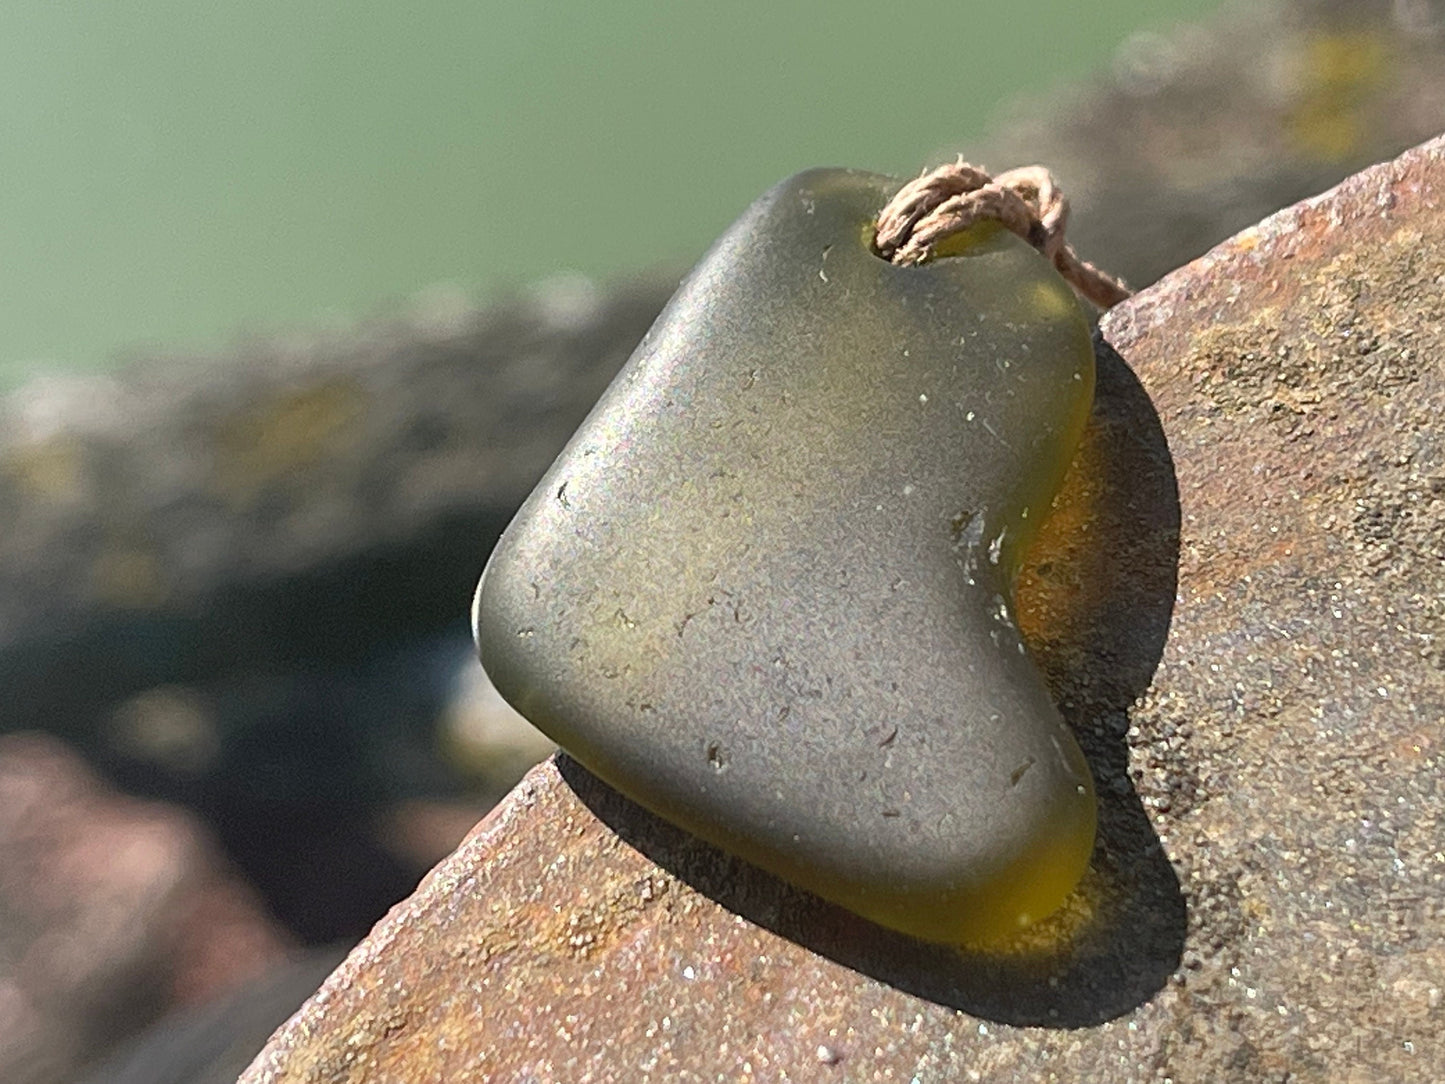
<point>766,589</point>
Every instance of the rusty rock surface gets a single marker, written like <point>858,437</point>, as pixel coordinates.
<point>1241,614</point>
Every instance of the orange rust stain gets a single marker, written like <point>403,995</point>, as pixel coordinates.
<point>1414,746</point>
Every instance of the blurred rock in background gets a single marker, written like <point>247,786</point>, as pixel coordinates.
<point>239,584</point>
<point>213,1043</point>
<point>112,909</point>
<point>1199,133</point>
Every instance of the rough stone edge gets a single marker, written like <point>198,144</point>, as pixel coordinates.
<point>1277,237</point>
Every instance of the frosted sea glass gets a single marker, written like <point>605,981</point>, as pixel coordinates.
<point>765,590</point>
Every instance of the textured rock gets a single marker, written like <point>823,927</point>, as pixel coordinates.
<point>1280,452</point>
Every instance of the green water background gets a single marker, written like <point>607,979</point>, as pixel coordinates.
<point>175,175</point>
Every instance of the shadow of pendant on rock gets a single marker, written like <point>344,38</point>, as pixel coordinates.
<point>1094,601</point>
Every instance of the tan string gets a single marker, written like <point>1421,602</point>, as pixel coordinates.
<point>1026,201</point>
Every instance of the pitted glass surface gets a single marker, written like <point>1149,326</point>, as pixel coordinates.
<point>766,589</point>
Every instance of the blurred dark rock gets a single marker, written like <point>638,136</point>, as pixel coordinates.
<point>241,583</point>
<point>1276,476</point>
<point>112,911</point>
<point>294,770</point>
<point>214,1042</point>
<point>1198,132</point>
<point>297,504</point>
